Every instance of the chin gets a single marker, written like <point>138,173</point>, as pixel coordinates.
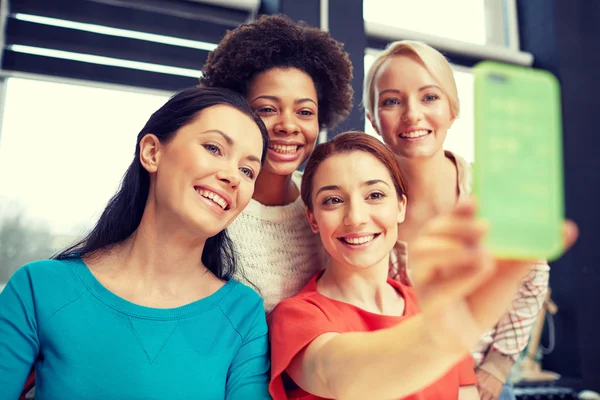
<point>199,227</point>
<point>361,263</point>
<point>417,153</point>
<point>283,169</point>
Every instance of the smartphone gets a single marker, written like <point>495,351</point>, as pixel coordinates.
<point>518,166</point>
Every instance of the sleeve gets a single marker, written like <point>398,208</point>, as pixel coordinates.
<point>248,376</point>
<point>513,329</point>
<point>19,343</point>
<point>466,372</point>
<point>293,325</point>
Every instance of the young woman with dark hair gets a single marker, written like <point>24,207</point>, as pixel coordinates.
<point>144,307</point>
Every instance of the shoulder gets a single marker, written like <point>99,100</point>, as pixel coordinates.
<point>465,171</point>
<point>46,273</point>
<point>49,284</point>
<point>244,309</point>
<point>295,323</point>
<point>306,311</point>
<point>300,319</point>
<point>239,291</point>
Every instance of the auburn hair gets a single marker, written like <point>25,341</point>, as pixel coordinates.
<point>345,143</point>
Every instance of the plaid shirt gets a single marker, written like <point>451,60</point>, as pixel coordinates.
<point>500,347</point>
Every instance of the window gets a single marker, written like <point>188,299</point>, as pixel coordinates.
<point>460,138</point>
<point>435,17</point>
<point>481,22</point>
<point>63,151</point>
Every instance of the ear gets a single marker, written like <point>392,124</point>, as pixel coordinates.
<point>150,148</point>
<point>402,209</point>
<point>312,221</point>
<point>452,118</point>
<point>373,124</point>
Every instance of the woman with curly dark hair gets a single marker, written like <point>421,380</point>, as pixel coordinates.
<point>297,78</point>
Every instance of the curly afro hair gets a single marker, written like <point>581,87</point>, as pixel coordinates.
<point>275,41</point>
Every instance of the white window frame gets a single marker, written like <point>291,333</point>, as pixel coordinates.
<point>503,31</point>
<point>3,18</point>
<point>251,6</point>
<point>502,45</point>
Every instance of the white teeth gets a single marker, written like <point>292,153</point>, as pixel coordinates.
<point>414,134</point>
<point>359,240</point>
<point>213,196</point>
<point>284,148</point>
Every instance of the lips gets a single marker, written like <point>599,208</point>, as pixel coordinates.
<point>221,200</point>
<point>414,134</point>
<point>357,240</point>
<point>284,151</point>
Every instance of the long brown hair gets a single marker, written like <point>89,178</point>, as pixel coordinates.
<point>346,143</point>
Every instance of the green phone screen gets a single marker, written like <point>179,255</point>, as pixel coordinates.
<point>518,169</point>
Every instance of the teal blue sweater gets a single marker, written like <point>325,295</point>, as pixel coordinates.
<point>88,343</point>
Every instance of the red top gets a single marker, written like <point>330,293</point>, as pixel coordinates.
<point>297,321</point>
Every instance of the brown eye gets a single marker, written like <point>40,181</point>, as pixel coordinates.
<point>376,196</point>
<point>266,110</point>
<point>332,200</point>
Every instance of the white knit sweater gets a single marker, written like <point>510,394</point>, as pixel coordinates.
<point>277,252</point>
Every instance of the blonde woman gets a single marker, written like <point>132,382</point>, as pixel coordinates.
<point>411,100</point>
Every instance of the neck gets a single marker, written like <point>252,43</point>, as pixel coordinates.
<point>366,288</point>
<point>275,190</point>
<point>160,252</point>
<point>430,180</point>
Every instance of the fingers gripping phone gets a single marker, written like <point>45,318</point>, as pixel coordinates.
<point>518,169</point>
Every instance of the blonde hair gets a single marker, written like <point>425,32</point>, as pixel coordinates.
<point>434,61</point>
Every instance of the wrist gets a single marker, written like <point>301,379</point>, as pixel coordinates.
<point>498,365</point>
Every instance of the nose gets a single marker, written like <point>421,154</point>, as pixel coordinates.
<point>356,213</point>
<point>286,124</point>
<point>229,175</point>
<point>413,112</point>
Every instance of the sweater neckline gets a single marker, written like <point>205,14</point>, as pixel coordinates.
<point>293,211</point>
<point>127,307</point>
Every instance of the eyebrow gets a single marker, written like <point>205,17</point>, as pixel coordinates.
<point>275,98</point>
<point>365,183</point>
<point>227,138</point>
<point>420,89</point>
<point>229,141</point>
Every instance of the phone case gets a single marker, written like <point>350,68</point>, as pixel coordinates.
<point>518,169</point>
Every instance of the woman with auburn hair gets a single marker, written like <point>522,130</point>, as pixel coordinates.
<point>353,332</point>
<point>411,100</point>
<point>297,79</point>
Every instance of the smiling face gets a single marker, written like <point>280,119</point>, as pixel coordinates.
<point>204,176</point>
<point>411,110</point>
<point>355,209</point>
<point>286,100</point>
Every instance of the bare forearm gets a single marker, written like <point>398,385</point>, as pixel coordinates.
<point>498,365</point>
<point>389,363</point>
<point>468,393</point>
